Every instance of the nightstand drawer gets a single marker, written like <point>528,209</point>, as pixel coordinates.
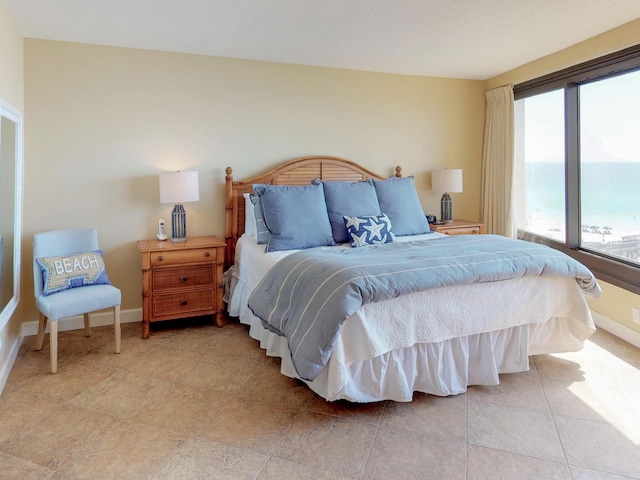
<point>179,257</point>
<point>183,302</point>
<point>461,231</point>
<point>459,227</point>
<point>167,278</point>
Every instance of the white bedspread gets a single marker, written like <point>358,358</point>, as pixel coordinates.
<point>537,315</point>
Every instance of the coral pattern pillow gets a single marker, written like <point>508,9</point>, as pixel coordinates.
<point>369,230</point>
<point>72,271</point>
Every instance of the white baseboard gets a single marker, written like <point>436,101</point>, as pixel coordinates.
<point>72,323</point>
<point>76,323</point>
<point>8,365</point>
<point>619,330</point>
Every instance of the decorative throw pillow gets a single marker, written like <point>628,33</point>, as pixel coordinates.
<point>262,232</point>
<point>348,198</point>
<point>296,216</point>
<point>399,200</point>
<point>369,230</point>
<point>71,271</point>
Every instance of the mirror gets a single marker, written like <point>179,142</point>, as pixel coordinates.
<point>10,209</point>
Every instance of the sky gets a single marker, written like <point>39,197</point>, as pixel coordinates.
<point>609,122</point>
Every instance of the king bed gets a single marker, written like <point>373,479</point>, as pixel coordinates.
<point>445,321</point>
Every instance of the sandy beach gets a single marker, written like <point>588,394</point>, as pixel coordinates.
<point>609,239</point>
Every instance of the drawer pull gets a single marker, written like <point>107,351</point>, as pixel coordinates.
<point>207,254</point>
<point>183,302</point>
<point>184,278</point>
<point>160,258</point>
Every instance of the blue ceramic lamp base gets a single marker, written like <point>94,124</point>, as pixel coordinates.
<point>178,224</point>
<point>446,210</point>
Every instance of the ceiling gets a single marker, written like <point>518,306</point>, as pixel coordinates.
<point>467,39</point>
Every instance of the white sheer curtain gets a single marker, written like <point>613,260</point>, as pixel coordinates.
<point>497,208</point>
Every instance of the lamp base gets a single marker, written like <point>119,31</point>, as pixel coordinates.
<point>446,209</point>
<point>178,224</point>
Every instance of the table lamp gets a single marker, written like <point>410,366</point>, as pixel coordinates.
<point>447,181</point>
<point>179,188</point>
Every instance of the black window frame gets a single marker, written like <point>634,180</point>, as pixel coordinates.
<point>613,270</point>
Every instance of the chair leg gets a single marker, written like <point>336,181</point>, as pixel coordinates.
<point>53,345</point>
<point>42,326</point>
<point>116,326</point>
<point>87,325</point>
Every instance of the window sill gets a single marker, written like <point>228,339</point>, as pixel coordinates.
<point>608,270</point>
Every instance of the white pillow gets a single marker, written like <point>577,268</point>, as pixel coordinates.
<point>250,228</point>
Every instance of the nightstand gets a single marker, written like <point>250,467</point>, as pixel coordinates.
<point>459,227</point>
<point>181,279</point>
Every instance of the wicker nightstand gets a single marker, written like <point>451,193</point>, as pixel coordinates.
<point>181,280</point>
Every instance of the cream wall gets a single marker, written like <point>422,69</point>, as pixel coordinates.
<point>615,303</point>
<point>103,122</point>
<point>11,62</point>
<point>12,92</point>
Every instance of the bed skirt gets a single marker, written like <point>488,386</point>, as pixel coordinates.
<point>440,368</point>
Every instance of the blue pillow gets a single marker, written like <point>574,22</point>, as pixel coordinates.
<point>399,200</point>
<point>72,271</point>
<point>369,230</point>
<point>262,232</point>
<point>347,198</point>
<point>296,216</point>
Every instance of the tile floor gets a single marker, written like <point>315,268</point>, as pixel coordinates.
<point>199,402</point>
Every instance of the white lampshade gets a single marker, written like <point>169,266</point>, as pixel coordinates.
<point>179,187</point>
<point>448,180</point>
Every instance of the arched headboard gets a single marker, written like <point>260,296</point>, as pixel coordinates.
<point>299,171</point>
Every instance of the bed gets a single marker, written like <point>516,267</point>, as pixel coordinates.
<point>437,340</point>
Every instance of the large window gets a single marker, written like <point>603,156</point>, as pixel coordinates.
<point>578,150</point>
<point>540,146</point>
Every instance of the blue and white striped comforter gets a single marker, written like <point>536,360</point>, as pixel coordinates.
<point>308,295</point>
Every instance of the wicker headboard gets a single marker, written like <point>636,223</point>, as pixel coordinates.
<point>294,172</point>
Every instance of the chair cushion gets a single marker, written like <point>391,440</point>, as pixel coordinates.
<point>78,301</point>
<point>72,271</point>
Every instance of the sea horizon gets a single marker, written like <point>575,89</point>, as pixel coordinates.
<point>609,196</point>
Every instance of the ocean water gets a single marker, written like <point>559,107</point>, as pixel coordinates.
<point>610,194</point>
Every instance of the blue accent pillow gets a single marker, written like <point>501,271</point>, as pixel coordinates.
<point>296,216</point>
<point>369,230</point>
<point>399,200</point>
<point>262,232</point>
<point>348,198</point>
<point>72,271</point>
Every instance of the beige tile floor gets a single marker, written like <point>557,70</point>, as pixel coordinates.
<point>206,403</point>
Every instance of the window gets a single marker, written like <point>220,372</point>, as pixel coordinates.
<point>540,146</point>
<point>578,153</point>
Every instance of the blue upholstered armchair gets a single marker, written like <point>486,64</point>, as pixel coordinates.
<point>69,279</point>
